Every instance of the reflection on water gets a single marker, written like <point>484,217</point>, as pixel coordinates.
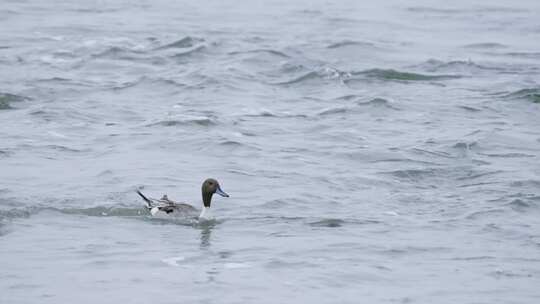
<point>206,228</point>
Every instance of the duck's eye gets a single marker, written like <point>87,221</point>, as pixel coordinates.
<point>210,183</point>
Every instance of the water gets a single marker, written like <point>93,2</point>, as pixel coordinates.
<point>381,153</point>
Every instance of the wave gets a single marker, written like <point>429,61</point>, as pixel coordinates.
<point>485,45</point>
<point>528,55</point>
<point>117,52</point>
<point>520,205</point>
<point>472,10</point>
<point>325,73</point>
<point>391,74</point>
<point>532,94</point>
<point>190,52</point>
<point>119,210</point>
<point>301,78</point>
<point>330,223</point>
<point>185,42</point>
<point>347,43</point>
<point>144,80</point>
<point>267,51</point>
<point>201,121</point>
<point>330,111</point>
<point>377,102</point>
<point>434,65</point>
<point>6,99</point>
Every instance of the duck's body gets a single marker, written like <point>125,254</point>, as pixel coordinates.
<point>166,208</point>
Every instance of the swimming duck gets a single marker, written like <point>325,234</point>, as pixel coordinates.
<point>167,207</point>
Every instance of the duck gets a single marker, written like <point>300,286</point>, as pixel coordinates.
<point>164,207</point>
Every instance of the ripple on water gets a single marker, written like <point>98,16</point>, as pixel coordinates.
<point>350,43</point>
<point>6,99</point>
<point>395,75</point>
<point>531,94</point>
<point>183,43</point>
<point>200,121</point>
<point>525,204</point>
<point>456,66</point>
<point>485,45</point>
<point>330,223</point>
<point>262,51</point>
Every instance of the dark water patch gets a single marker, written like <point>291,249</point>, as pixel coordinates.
<point>60,148</point>
<point>275,204</point>
<point>301,78</point>
<point>437,10</point>
<point>5,153</point>
<point>474,258</point>
<point>378,103</point>
<point>263,51</point>
<point>326,73</point>
<point>230,143</point>
<point>521,205</point>
<point>526,183</point>
<point>240,172</point>
<point>200,121</point>
<point>465,145</point>
<point>390,74</point>
<point>527,55</point>
<point>471,10</point>
<point>193,51</point>
<point>6,99</point>
<point>485,45</point>
<point>469,108</point>
<point>117,52</point>
<point>348,97</point>
<point>473,175</point>
<point>287,264</point>
<point>485,213</point>
<point>432,153</point>
<point>415,174</point>
<point>330,223</point>
<point>64,81</point>
<point>18,213</point>
<point>507,155</point>
<point>331,111</point>
<point>347,43</point>
<point>509,274</point>
<point>185,42</point>
<point>434,65</point>
<point>530,94</point>
<point>478,184</point>
<point>148,81</point>
<point>410,250</point>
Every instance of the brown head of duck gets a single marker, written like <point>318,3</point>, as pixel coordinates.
<point>209,187</point>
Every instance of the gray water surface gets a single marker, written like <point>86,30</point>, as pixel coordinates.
<point>374,152</point>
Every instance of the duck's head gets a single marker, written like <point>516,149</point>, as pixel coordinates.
<point>209,187</point>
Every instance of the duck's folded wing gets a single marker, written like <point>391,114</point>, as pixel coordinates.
<point>177,207</point>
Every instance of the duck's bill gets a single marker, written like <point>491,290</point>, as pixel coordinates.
<point>220,192</point>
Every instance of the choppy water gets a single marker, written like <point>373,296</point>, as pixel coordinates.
<point>381,153</point>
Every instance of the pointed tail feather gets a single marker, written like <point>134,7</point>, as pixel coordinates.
<point>147,200</point>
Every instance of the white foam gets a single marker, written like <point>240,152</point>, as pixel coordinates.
<point>173,261</point>
<point>236,265</point>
